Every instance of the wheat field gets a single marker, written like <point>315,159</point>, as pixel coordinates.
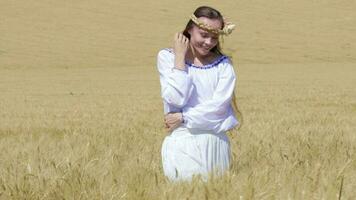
<point>81,115</point>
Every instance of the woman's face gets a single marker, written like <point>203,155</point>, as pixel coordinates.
<point>201,40</point>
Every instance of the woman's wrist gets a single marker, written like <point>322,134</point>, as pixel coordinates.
<point>179,63</point>
<point>179,68</point>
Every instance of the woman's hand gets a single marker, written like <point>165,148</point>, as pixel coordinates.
<point>181,45</point>
<point>173,120</point>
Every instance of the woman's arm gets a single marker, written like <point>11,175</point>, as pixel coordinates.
<point>213,113</point>
<point>176,84</point>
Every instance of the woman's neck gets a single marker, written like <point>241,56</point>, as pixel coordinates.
<point>195,58</point>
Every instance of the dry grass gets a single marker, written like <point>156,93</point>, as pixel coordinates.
<point>97,133</point>
<point>81,119</point>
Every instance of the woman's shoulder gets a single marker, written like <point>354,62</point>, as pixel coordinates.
<point>221,60</point>
<point>225,59</point>
<point>227,66</point>
<point>224,64</point>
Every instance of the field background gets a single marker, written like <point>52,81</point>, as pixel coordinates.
<point>81,115</point>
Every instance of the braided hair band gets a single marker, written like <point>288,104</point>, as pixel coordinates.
<point>227,30</point>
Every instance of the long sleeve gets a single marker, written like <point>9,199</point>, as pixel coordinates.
<point>176,85</point>
<point>216,113</point>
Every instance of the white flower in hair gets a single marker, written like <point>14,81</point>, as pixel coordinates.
<point>228,27</point>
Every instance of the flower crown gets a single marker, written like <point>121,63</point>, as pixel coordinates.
<point>227,30</point>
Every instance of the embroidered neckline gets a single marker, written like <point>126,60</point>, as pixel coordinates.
<point>207,66</point>
<point>213,64</point>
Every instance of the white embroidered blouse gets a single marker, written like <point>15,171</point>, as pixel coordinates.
<point>201,93</point>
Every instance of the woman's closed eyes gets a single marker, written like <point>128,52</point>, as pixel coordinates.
<point>206,35</point>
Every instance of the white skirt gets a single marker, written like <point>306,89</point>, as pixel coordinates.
<point>188,152</point>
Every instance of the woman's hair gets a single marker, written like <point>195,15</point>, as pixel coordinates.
<point>211,13</point>
<point>208,12</point>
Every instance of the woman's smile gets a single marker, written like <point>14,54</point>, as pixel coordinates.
<point>204,48</point>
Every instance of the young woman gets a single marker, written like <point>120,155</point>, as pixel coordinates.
<point>197,86</point>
